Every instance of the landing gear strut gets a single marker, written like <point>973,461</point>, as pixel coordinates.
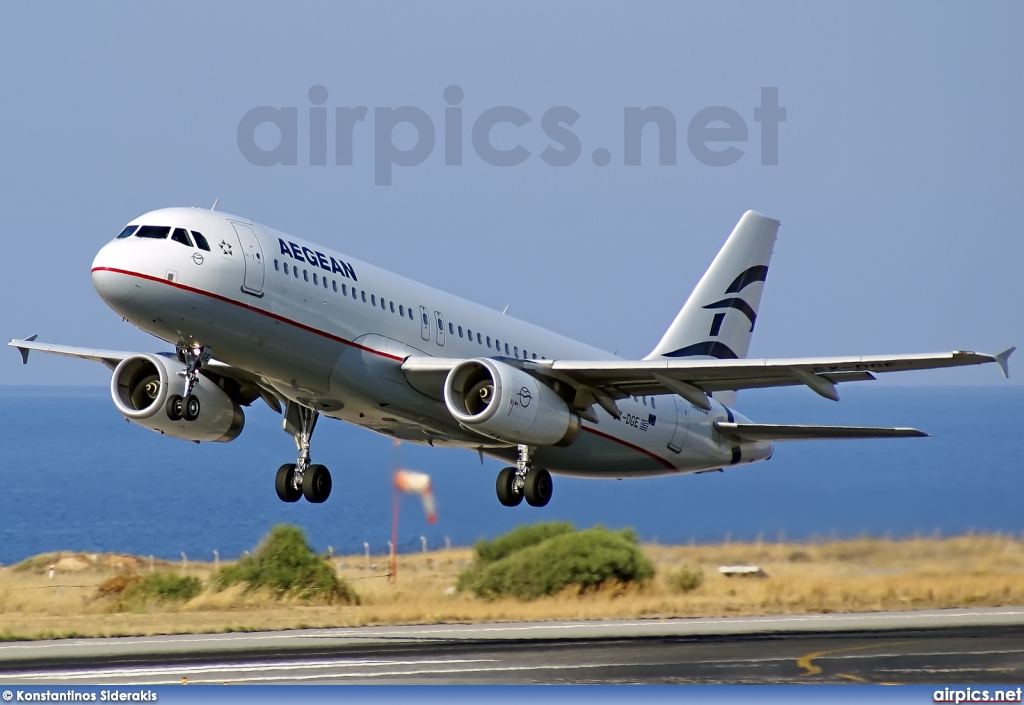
<point>301,478</point>
<point>186,406</point>
<point>524,480</point>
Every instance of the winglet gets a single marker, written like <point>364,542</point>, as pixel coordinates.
<point>1003,360</point>
<point>24,351</point>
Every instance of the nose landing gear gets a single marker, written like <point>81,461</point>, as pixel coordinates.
<point>524,481</point>
<point>302,479</point>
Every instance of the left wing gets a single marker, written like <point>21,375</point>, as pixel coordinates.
<point>785,432</point>
<point>601,382</point>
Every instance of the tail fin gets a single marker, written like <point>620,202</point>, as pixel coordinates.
<point>718,319</point>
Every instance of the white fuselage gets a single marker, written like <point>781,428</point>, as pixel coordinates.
<point>330,332</point>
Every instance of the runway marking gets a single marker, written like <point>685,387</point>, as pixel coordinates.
<point>805,661</point>
<point>233,667</point>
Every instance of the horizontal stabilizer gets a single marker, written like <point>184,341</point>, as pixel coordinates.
<point>783,432</point>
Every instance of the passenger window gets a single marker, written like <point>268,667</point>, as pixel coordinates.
<point>383,304</point>
<point>391,305</point>
<point>516,350</point>
<point>126,232</point>
<point>373,300</point>
<point>305,275</point>
<point>451,329</point>
<point>652,403</point>
<point>401,310</point>
<point>488,341</point>
<point>644,400</point>
<point>497,345</point>
<point>201,241</point>
<point>277,267</point>
<point>469,334</point>
<point>425,321</point>
<point>363,294</point>
<point>506,349</point>
<point>154,232</point>
<point>181,236</point>
<point>325,283</point>
<point>480,340</point>
<point>535,356</point>
<point>410,314</point>
<point>295,271</point>
<point>334,285</point>
<point>460,331</point>
<point>286,268</point>
<point>315,279</point>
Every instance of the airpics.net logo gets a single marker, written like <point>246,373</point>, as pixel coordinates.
<point>407,136</point>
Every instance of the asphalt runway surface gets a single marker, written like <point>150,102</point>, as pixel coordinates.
<point>938,646</point>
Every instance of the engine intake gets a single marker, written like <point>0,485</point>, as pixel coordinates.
<point>503,402</point>
<point>141,385</point>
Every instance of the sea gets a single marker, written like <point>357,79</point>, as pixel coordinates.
<point>74,476</point>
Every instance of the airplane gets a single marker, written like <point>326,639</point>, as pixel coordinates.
<point>254,313</point>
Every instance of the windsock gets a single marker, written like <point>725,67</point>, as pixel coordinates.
<point>418,483</point>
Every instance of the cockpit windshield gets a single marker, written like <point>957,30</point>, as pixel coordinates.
<point>161,232</point>
<point>155,232</point>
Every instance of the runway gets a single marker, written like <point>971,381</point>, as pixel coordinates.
<point>941,646</point>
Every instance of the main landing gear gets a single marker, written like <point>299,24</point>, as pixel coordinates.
<point>524,480</point>
<point>186,406</point>
<point>301,478</point>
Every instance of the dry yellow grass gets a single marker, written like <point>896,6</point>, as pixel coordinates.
<point>830,576</point>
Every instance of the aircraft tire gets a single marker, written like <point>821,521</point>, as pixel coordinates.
<point>506,495</point>
<point>286,491</point>
<point>316,484</point>
<point>538,487</point>
<point>174,407</point>
<point>190,408</point>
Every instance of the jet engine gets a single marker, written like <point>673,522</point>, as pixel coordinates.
<point>505,403</point>
<point>142,385</point>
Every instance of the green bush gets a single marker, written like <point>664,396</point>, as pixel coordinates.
<point>519,538</point>
<point>163,587</point>
<point>686,579</point>
<point>584,559</point>
<point>285,564</point>
<point>131,591</point>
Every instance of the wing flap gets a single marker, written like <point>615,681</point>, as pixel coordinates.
<point>789,432</point>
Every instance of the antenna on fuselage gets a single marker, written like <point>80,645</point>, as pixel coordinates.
<point>215,202</point>
<point>505,310</point>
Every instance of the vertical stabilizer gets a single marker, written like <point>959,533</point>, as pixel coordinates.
<point>718,319</point>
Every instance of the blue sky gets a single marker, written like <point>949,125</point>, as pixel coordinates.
<point>900,162</point>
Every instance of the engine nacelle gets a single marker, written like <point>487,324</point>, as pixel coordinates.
<point>505,403</point>
<point>142,384</point>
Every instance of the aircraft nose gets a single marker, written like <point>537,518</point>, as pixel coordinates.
<point>113,284</point>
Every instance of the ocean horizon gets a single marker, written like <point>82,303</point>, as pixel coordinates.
<point>77,477</point>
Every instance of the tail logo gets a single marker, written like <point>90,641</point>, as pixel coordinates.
<point>716,348</point>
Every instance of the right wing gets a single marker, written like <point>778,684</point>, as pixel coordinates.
<point>110,358</point>
<point>250,385</point>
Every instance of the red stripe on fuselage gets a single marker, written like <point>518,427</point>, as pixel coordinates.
<point>246,306</point>
<point>335,338</point>
<point>638,449</point>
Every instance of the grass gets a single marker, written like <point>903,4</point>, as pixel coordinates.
<point>867,574</point>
